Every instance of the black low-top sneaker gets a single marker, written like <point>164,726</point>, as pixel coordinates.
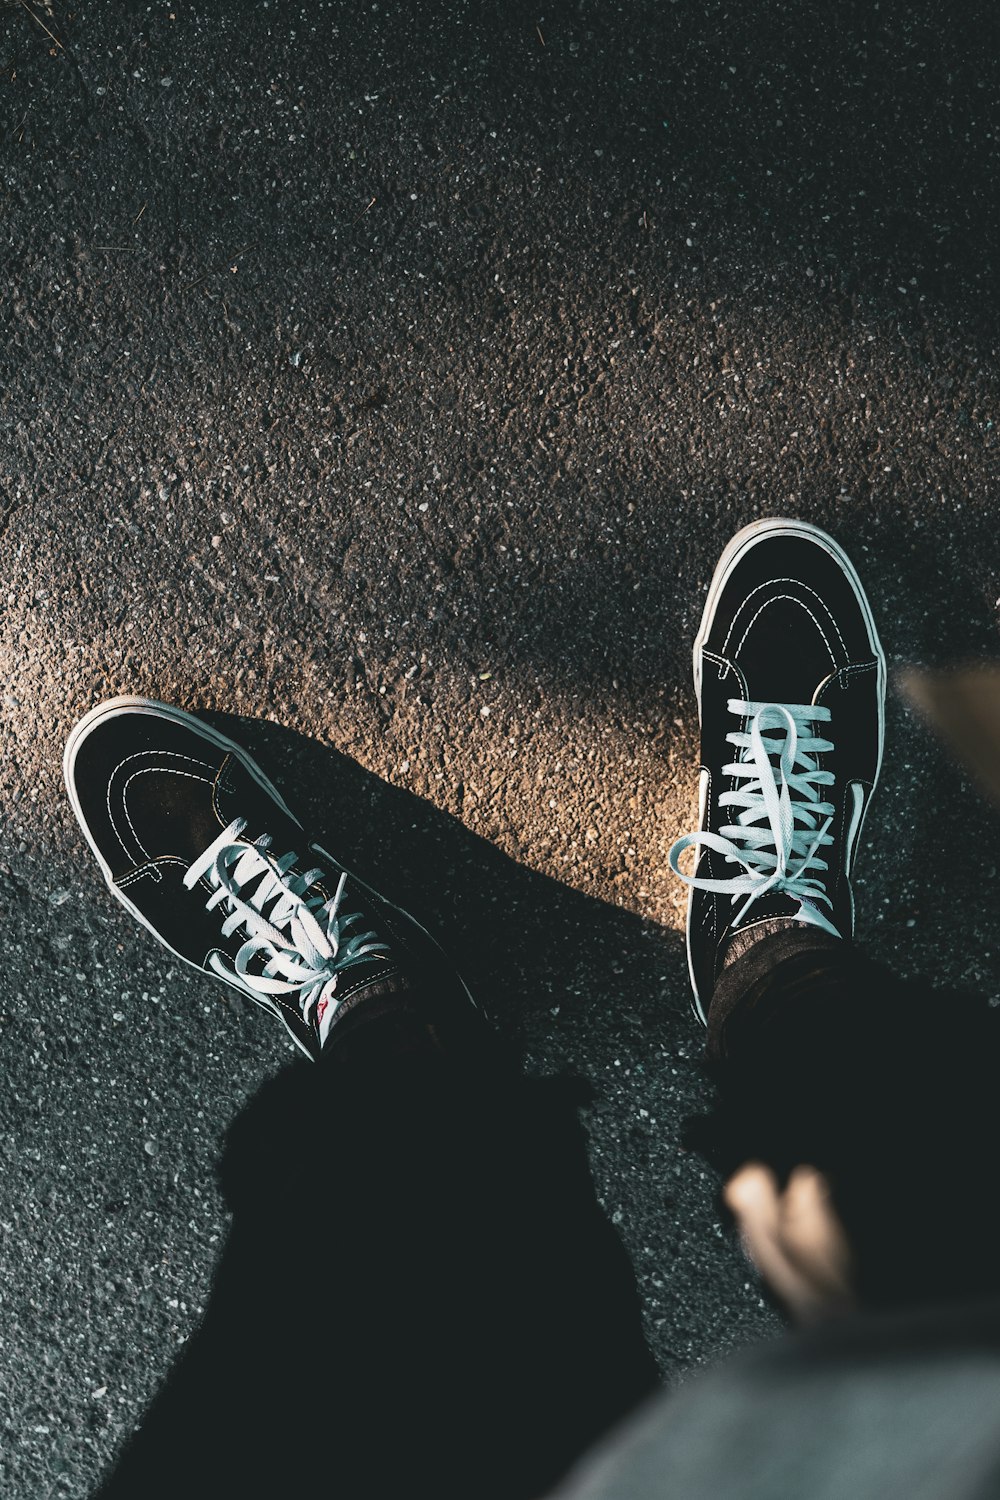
<point>198,845</point>
<point>790,679</point>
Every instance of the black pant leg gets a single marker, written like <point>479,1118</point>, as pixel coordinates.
<point>823,1056</point>
<point>419,1295</point>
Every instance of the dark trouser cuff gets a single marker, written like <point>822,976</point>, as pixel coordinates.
<point>401,1024</point>
<point>748,985</point>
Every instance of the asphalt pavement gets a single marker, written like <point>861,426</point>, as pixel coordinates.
<point>385,380</point>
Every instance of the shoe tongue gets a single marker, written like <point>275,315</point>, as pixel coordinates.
<point>775,904</point>
<point>319,892</point>
<point>778,905</point>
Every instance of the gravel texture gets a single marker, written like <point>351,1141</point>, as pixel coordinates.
<point>390,377</point>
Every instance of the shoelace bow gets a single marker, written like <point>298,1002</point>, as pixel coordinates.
<point>777,836</point>
<point>305,942</point>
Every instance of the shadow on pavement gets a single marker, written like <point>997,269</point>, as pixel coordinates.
<point>523,941</point>
<point>419,1295</point>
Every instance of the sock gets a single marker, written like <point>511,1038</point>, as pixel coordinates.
<point>745,937</point>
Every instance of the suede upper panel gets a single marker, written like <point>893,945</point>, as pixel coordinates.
<point>799,566</point>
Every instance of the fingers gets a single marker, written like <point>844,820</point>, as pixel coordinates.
<point>793,1237</point>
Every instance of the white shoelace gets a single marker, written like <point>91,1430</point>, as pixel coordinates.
<point>777,836</point>
<point>305,942</point>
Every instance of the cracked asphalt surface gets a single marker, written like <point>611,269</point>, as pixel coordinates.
<point>388,379</point>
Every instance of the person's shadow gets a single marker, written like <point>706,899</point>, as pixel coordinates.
<point>420,1293</point>
<point>523,941</point>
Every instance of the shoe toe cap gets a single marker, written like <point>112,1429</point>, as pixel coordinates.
<point>145,787</point>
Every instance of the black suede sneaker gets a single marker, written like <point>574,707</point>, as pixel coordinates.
<point>790,678</point>
<point>198,845</point>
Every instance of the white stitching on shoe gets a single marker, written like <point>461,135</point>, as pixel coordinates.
<point>111,781</point>
<point>149,771</point>
<point>730,666</point>
<point>851,670</point>
<point>150,868</point>
<point>216,788</point>
<point>389,973</point>
<point>798,584</point>
<point>802,605</point>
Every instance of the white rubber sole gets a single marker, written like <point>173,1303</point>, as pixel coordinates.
<point>111,709</point>
<point>733,554</point>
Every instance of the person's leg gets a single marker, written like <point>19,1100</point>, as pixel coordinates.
<point>790,679</point>
<point>758,989</point>
<point>420,1293</point>
<point>824,1059</point>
